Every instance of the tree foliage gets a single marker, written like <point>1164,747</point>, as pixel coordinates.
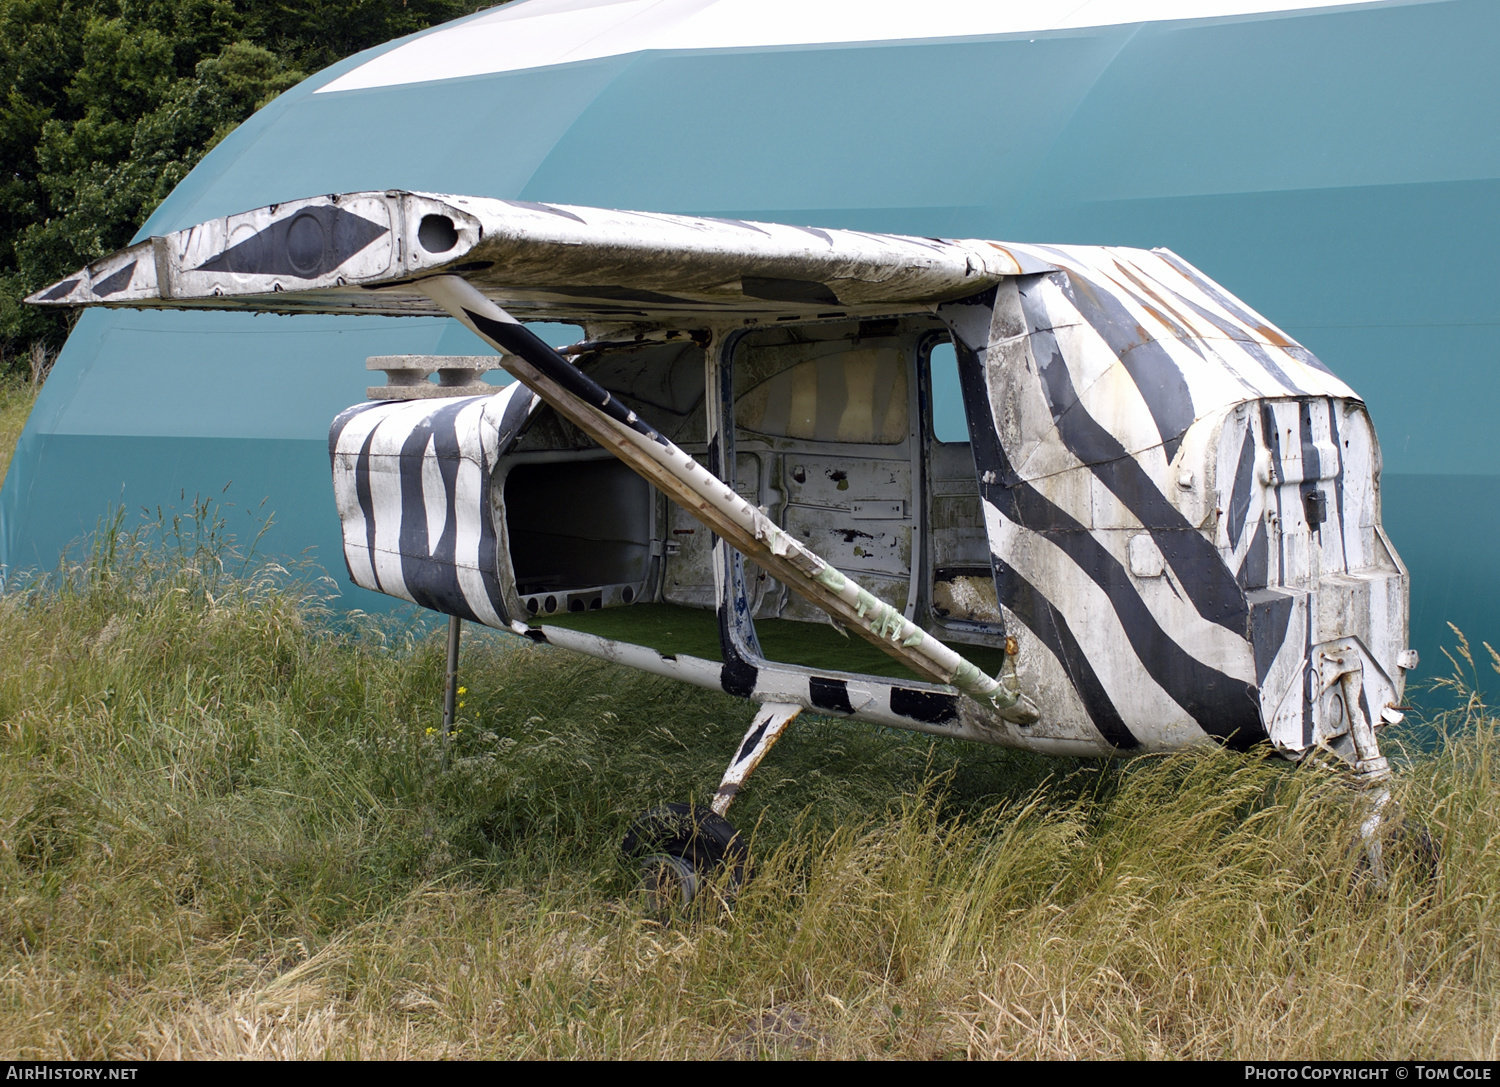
<point>105,105</point>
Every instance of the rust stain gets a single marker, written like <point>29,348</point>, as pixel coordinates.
<point>1267,332</point>
<point>1273,335</point>
<point>1008,256</point>
<point>1158,315</point>
<point>1182,320</point>
<point>1087,288</point>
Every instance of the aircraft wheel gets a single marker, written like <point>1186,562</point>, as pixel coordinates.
<point>1407,847</point>
<point>682,849</point>
<point>1417,851</point>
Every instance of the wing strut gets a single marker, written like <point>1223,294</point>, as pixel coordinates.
<point>713,502</point>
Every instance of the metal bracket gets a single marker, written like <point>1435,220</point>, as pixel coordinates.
<point>1345,667</point>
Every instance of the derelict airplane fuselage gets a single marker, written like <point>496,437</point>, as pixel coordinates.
<point>1154,524</point>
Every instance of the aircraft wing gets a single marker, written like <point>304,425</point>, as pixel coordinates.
<point>479,259</point>
<point>366,252</point>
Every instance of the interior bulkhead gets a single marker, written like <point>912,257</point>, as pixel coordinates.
<point>849,434</point>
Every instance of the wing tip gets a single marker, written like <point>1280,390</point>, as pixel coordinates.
<point>125,277</point>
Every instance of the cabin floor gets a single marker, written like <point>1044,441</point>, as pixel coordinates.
<point>670,629</point>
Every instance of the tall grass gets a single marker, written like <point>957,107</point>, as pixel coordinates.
<point>227,828</point>
<point>16,399</point>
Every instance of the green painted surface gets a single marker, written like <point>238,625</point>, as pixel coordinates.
<point>665,628</point>
<point>1449,533</point>
<point>694,632</point>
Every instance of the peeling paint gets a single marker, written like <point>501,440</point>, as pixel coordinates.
<point>1167,515</point>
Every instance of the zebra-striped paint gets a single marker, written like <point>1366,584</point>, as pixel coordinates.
<point>411,480</point>
<point>1181,502</point>
<point>1126,404</point>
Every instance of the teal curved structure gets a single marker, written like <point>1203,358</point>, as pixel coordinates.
<point>1337,167</point>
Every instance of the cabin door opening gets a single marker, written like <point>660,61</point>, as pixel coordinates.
<point>960,580</point>
<point>824,439</point>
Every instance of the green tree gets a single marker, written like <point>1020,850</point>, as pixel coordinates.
<point>105,105</point>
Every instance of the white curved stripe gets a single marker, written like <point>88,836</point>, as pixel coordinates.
<point>1090,356</point>
<point>434,495</point>
<point>346,495</point>
<point>1207,642</point>
<point>1080,494</point>
<point>385,492</point>
<point>470,504</point>
<point>1105,391</point>
<point>1226,467</point>
<point>547,32</point>
<point>1149,712</point>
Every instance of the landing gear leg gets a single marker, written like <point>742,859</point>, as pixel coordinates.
<point>1373,772</point>
<point>1412,842</point>
<point>769,723</point>
<point>450,690</point>
<point>681,847</point>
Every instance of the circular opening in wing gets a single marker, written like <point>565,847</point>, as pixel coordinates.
<point>437,233</point>
<point>304,245</point>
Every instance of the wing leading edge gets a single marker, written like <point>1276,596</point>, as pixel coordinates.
<point>365,253</point>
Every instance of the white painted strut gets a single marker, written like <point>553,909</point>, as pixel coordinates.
<point>765,729</point>
<point>712,501</point>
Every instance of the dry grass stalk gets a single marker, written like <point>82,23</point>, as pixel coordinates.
<point>225,832</point>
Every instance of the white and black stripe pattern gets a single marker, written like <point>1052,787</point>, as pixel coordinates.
<point>1181,502</point>
<point>1082,394</point>
<point>1309,534</point>
<point>923,708</point>
<point>411,480</point>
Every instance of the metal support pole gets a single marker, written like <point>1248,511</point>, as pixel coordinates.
<point>450,695</point>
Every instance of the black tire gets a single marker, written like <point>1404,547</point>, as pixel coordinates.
<point>706,842</point>
<point>1407,847</point>
<point>1413,847</point>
